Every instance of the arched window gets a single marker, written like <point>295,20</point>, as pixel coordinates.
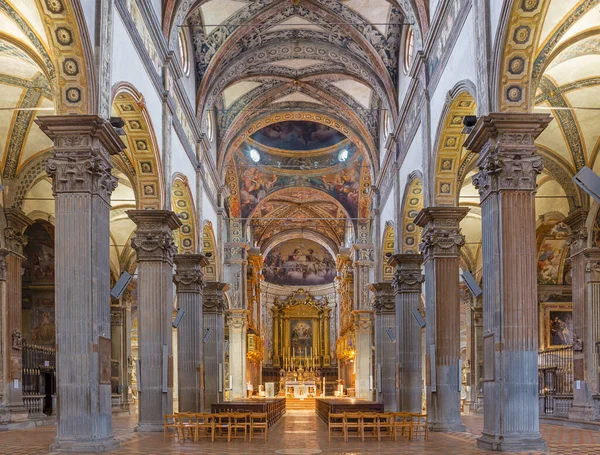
<point>184,54</point>
<point>409,45</point>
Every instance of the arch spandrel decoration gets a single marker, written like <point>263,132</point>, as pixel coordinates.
<point>183,206</point>
<point>413,203</point>
<point>451,157</point>
<point>142,149</point>
<point>68,54</point>
<point>209,249</point>
<point>388,251</point>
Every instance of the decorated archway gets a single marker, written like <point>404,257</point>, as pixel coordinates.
<point>183,206</point>
<point>387,251</point>
<point>411,206</point>
<point>209,249</point>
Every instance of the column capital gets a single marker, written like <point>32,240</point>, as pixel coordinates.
<point>237,318</point>
<point>188,276</point>
<point>213,300</point>
<point>384,301</point>
<point>80,162</point>
<point>362,320</point>
<point>408,276</point>
<point>16,222</point>
<point>153,239</point>
<point>441,231</point>
<point>577,241</point>
<point>508,155</point>
<point>362,254</point>
<point>236,252</point>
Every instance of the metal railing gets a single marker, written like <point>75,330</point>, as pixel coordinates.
<point>555,380</point>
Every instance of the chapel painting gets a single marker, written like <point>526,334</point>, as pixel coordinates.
<point>298,135</point>
<point>551,256</point>
<point>299,262</point>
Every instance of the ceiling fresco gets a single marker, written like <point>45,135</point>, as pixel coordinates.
<point>299,262</point>
<point>298,135</point>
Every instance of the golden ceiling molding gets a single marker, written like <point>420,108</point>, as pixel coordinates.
<point>68,51</point>
<point>142,148</point>
<point>183,205</point>
<point>411,206</point>
<point>449,158</point>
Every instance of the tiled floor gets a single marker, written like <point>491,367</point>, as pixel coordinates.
<point>302,433</point>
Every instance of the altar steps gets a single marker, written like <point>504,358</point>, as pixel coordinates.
<point>300,403</point>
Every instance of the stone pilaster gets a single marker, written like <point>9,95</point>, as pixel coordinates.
<point>154,247</point>
<point>475,344</point>
<point>11,404</point>
<point>407,283</point>
<point>238,323</point>
<point>213,303</point>
<point>584,263</point>
<point>362,256</point>
<point>440,248</point>
<point>189,282</point>
<point>384,308</point>
<point>82,183</point>
<point>508,167</point>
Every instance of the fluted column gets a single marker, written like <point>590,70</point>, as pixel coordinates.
<point>363,319</point>
<point>238,323</point>
<point>586,324</point>
<point>440,248</point>
<point>154,247</point>
<point>213,303</point>
<point>82,183</point>
<point>476,356</point>
<point>508,166</point>
<point>407,283</point>
<point>11,403</point>
<point>384,308</point>
<point>189,283</point>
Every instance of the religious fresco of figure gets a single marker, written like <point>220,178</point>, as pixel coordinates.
<point>301,335</point>
<point>299,262</point>
<point>551,256</point>
<point>298,135</point>
<point>557,323</point>
<point>254,185</point>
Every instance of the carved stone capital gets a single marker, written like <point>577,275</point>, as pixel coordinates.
<point>441,235</point>
<point>577,241</point>
<point>81,155</point>
<point>363,320</point>
<point>237,319</point>
<point>16,222</point>
<point>188,276</point>
<point>408,276</point>
<point>384,301</point>
<point>236,252</point>
<point>116,317</point>
<point>363,254</point>
<point>508,155</point>
<point>592,264</point>
<point>213,300</point>
<point>153,239</point>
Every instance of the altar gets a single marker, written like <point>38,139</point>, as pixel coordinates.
<point>300,389</point>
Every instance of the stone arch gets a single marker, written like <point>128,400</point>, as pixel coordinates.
<point>209,249</point>
<point>71,54</point>
<point>387,250</point>
<point>183,206</point>
<point>451,159</point>
<point>411,206</point>
<point>142,155</point>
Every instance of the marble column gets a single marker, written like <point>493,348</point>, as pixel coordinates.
<point>363,320</point>
<point>407,283</point>
<point>384,308</point>
<point>237,321</point>
<point>586,320</point>
<point>508,166</point>
<point>118,351</point>
<point>82,183</point>
<point>189,282</point>
<point>213,303</point>
<point>440,248</point>
<point>154,247</point>
<point>11,403</point>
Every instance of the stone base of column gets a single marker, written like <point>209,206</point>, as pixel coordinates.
<point>13,414</point>
<point>84,446</point>
<point>442,427</point>
<point>149,427</point>
<point>513,443</point>
<point>582,413</point>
